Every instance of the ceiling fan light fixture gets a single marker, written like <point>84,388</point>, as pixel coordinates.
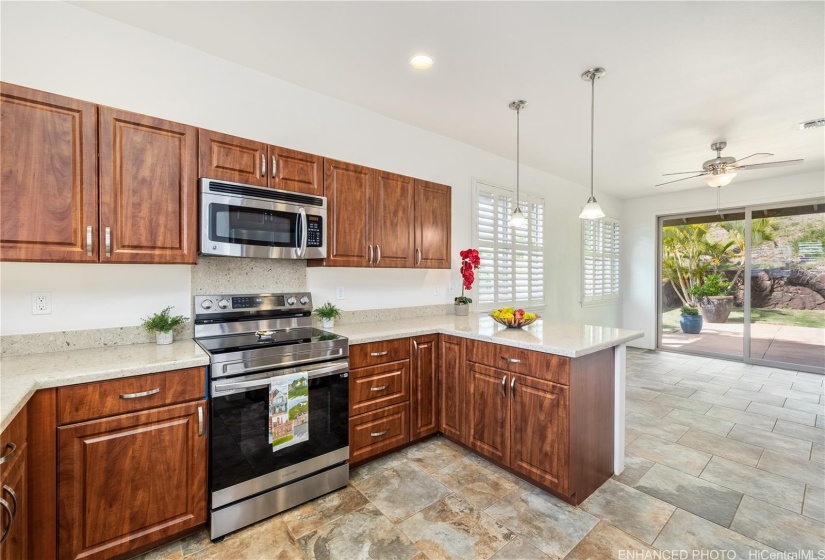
<point>720,178</point>
<point>591,210</point>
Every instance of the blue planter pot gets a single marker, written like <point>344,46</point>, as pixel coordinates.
<point>691,324</point>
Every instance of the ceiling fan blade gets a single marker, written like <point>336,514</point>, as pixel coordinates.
<point>770,164</point>
<point>682,173</point>
<point>758,155</point>
<point>682,179</point>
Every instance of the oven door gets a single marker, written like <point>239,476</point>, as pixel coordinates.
<point>243,462</point>
<point>253,226</point>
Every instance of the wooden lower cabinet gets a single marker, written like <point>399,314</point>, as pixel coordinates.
<point>376,432</point>
<point>14,481</point>
<point>539,431</point>
<point>424,400</point>
<point>128,481</point>
<point>451,388</point>
<point>489,410</point>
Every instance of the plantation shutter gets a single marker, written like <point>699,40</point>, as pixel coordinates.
<point>600,273</point>
<point>512,260</point>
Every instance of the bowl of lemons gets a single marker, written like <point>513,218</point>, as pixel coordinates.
<point>514,318</point>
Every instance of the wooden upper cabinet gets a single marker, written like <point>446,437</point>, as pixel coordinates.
<point>489,405</point>
<point>433,214</point>
<point>230,158</point>
<point>424,400</point>
<point>348,188</point>
<point>49,177</point>
<point>148,189</point>
<point>291,170</point>
<point>393,220</point>
<point>129,481</point>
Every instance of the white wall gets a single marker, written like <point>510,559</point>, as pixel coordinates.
<point>639,250</point>
<point>63,49</point>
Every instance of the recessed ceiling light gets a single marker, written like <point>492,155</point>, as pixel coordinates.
<point>421,62</point>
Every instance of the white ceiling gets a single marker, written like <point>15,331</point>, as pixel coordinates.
<point>680,75</point>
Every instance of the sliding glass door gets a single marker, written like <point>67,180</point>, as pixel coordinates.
<point>754,277</point>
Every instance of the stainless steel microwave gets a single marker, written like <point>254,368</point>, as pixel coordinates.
<point>243,221</point>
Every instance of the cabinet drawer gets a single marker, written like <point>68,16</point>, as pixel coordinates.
<point>95,400</point>
<point>373,353</point>
<point>375,387</point>
<point>375,432</point>
<point>518,360</point>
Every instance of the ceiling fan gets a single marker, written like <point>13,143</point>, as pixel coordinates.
<point>721,170</point>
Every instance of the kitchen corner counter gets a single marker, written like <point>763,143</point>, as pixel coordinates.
<point>21,376</point>
<point>564,339</point>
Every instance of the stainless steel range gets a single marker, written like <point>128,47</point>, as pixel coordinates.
<point>279,398</point>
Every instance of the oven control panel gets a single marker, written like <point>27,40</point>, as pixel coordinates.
<point>252,304</point>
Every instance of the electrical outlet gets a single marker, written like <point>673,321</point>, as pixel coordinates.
<point>41,303</point>
<point>436,290</point>
<point>339,292</point>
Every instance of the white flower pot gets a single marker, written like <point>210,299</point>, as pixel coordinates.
<point>462,309</point>
<point>327,323</point>
<point>164,337</point>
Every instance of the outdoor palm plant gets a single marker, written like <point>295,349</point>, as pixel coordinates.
<point>688,255</point>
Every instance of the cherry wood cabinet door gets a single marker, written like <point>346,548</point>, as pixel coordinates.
<point>291,170</point>
<point>424,386</point>
<point>539,431</point>
<point>393,220</point>
<point>148,189</point>
<point>348,188</point>
<point>433,216</point>
<point>14,481</point>
<point>489,404</point>
<point>230,158</point>
<point>451,394</point>
<point>128,481</point>
<point>49,177</point>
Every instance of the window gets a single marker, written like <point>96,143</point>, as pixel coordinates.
<point>512,260</point>
<point>600,273</point>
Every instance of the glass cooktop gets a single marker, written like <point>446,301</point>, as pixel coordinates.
<point>264,339</point>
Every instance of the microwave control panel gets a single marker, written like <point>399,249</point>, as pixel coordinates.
<point>315,231</point>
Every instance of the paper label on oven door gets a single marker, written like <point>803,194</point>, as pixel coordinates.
<point>288,410</point>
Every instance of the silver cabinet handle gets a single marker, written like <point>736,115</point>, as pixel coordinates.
<point>381,388</point>
<point>417,256</point>
<point>7,529</point>
<point>200,421</point>
<point>7,457</point>
<point>513,388</point>
<point>378,434</point>
<point>370,257</point>
<point>89,247</point>
<point>504,386</point>
<point>141,394</point>
<point>378,254</point>
<point>511,360</point>
<point>376,354</point>
<point>415,347</point>
<point>13,498</point>
<point>274,167</point>
<point>263,165</point>
<point>108,236</point>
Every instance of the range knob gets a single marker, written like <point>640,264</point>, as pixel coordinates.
<point>304,300</point>
<point>223,304</point>
<point>206,304</point>
<point>290,300</point>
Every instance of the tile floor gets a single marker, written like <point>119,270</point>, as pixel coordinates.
<point>720,456</point>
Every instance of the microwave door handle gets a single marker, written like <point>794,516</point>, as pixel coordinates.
<point>302,218</point>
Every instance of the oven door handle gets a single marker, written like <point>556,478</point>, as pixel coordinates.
<point>264,382</point>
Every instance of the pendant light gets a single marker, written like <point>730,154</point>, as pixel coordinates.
<point>518,219</point>
<point>592,210</point>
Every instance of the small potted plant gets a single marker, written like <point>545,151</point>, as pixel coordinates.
<point>162,324</point>
<point>711,296</point>
<point>690,320</point>
<point>327,313</point>
<point>469,262</point>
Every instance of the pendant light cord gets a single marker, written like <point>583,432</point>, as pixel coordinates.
<point>592,126</point>
<point>518,154</point>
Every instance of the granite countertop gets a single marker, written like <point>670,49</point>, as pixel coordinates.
<point>565,339</point>
<point>21,376</point>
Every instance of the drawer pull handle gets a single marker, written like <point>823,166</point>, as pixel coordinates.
<point>381,388</point>
<point>12,448</point>
<point>13,498</point>
<point>154,391</point>
<point>5,505</point>
<point>376,354</point>
<point>378,434</point>
<point>511,360</point>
